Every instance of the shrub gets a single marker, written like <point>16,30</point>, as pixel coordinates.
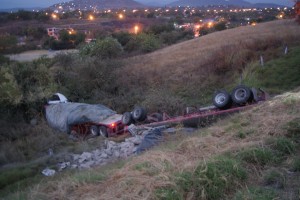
<point>10,93</point>
<point>122,37</point>
<point>142,42</point>
<point>104,49</point>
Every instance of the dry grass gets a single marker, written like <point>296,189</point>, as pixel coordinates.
<point>142,175</point>
<point>193,69</point>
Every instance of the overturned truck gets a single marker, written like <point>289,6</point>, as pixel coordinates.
<point>82,118</point>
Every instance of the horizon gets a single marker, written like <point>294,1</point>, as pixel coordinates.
<point>12,4</point>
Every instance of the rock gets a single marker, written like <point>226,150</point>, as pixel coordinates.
<point>103,155</point>
<point>137,140</point>
<point>116,154</point>
<point>74,166</point>
<point>48,172</point>
<point>33,122</point>
<point>86,165</point>
<point>63,165</point>
<point>85,156</point>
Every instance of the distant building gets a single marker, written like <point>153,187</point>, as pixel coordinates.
<point>53,32</point>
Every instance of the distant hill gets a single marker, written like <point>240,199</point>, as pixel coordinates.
<point>98,4</point>
<point>240,3</point>
<point>210,2</point>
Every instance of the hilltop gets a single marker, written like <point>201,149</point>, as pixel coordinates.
<point>96,4</point>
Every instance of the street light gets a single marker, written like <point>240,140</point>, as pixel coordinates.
<point>54,16</point>
<point>91,17</point>
<point>121,16</point>
<point>136,29</point>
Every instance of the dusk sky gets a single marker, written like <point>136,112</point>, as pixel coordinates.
<point>44,3</point>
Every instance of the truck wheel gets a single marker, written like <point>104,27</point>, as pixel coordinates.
<point>221,99</point>
<point>103,131</point>
<point>241,95</point>
<point>94,130</point>
<point>127,118</point>
<point>139,114</point>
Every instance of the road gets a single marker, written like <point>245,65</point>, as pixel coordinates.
<point>35,54</point>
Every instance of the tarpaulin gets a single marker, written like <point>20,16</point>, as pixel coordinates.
<point>62,116</point>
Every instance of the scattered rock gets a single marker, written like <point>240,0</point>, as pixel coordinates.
<point>48,172</point>
<point>110,153</point>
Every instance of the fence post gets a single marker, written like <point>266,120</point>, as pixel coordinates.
<point>286,50</point>
<point>261,60</point>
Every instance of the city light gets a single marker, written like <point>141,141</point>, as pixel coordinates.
<point>54,16</point>
<point>121,16</point>
<point>136,29</point>
<point>91,17</point>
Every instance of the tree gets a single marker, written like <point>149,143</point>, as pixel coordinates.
<point>220,26</point>
<point>122,37</point>
<point>143,42</point>
<point>104,49</point>
<point>7,42</point>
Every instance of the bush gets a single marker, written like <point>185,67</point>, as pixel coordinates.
<point>122,37</point>
<point>104,49</point>
<point>143,42</point>
<point>10,93</point>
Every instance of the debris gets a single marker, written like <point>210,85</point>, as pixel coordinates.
<point>48,172</point>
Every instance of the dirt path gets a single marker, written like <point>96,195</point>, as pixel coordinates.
<point>35,54</point>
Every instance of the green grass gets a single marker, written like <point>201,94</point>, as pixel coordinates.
<point>293,128</point>
<point>260,156</point>
<point>19,178</point>
<point>214,179</point>
<point>168,194</point>
<point>296,165</point>
<point>256,193</point>
<point>276,76</point>
<point>274,178</point>
<point>285,146</point>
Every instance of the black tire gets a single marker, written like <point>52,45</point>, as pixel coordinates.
<point>241,95</point>
<point>127,118</point>
<point>139,114</point>
<point>103,131</point>
<point>222,99</point>
<point>94,130</point>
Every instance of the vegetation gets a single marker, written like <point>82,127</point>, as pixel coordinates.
<point>226,162</point>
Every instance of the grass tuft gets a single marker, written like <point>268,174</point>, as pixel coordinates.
<point>260,156</point>
<point>275,179</point>
<point>212,180</point>
<point>256,193</point>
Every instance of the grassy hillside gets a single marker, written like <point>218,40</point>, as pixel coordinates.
<point>260,142</point>
<point>188,73</point>
<point>251,155</point>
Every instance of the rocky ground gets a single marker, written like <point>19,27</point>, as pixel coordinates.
<point>114,151</point>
